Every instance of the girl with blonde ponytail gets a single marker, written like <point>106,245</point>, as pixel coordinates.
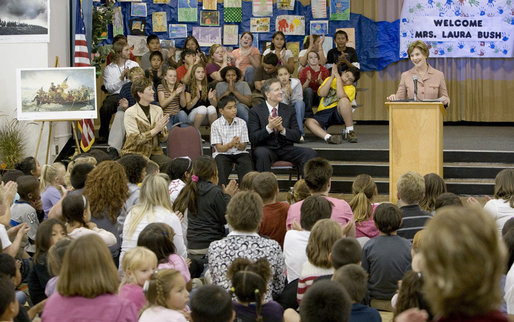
<point>364,189</point>
<point>52,179</point>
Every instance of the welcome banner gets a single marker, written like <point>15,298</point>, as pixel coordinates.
<point>459,28</point>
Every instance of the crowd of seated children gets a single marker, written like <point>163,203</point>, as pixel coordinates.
<point>411,188</point>
<point>386,258</point>
<point>247,58</point>
<point>171,97</point>
<point>342,54</point>
<point>249,281</point>
<point>155,72</point>
<point>355,281</point>
<point>52,179</point>
<point>313,209</point>
<point>244,214</point>
<point>135,171</point>
<point>278,47</point>
<point>179,172</point>
<point>292,94</point>
<point>218,59</point>
<point>192,44</point>
<point>336,92</point>
<point>434,186</point>
<point>267,70</point>
<point>321,239</point>
<point>311,77</point>
<point>229,137</point>
<point>200,98</point>
<point>317,174</point>
<point>206,204</point>
<point>188,59</point>
<point>312,43</point>
<point>154,45</point>
<point>231,84</point>
<point>363,190</point>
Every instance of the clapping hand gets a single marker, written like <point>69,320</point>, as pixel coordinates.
<point>335,72</point>
<point>161,122</point>
<point>231,188</point>
<point>212,94</point>
<point>124,103</point>
<point>180,89</point>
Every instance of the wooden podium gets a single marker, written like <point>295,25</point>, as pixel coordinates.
<point>415,140</point>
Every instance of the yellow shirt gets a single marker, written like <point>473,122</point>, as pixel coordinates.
<point>331,99</point>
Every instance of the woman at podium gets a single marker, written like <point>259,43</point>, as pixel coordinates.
<point>422,82</point>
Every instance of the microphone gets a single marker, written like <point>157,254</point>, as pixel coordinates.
<point>415,79</point>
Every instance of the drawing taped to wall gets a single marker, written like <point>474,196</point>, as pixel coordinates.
<point>260,24</point>
<point>207,36</point>
<point>291,25</point>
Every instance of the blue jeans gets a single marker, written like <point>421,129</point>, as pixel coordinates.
<point>299,107</point>
<point>242,111</point>
<point>180,117</point>
<point>249,75</point>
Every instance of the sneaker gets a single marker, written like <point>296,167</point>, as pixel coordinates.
<point>335,139</point>
<point>302,139</point>
<point>350,136</point>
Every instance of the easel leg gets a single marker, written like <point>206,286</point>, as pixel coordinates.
<point>48,144</point>
<point>77,149</point>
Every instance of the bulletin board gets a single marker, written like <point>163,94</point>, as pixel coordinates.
<point>289,16</point>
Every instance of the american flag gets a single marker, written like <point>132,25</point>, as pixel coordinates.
<point>81,59</point>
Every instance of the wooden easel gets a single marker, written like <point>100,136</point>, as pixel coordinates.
<point>50,122</point>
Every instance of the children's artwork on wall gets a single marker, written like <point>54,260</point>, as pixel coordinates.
<point>319,9</point>
<point>159,21</point>
<point>26,21</point>
<point>233,12</point>
<point>207,36</point>
<point>319,27</point>
<point>209,18</point>
<point>209,5</point>
<point>178,31</point>
<point>351,36</point>
<point>188,10</point>
<point>161,1</point>
<point>137,45</point>
<point>262,8</point>
<point>260,25</point>
<point>230,33</point>
<point>294,47</point>
<point>117,21</point>
<point>285,4</point>
<point>339,9</point>
<point>137,26</point>
<point>56,93</point>
<point>138,9</point>
<point>167,44</point>
<point>291,25</point>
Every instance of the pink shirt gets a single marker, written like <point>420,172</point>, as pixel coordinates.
<point>133,293</point>
<point>177,262</point>
<point>105,307</point>
<point>245,60</point>
<point>341,212</point>
<point>367,228</point>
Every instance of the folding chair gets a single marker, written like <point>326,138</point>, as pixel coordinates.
<point>184,141</point>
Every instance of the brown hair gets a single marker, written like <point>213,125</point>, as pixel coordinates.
<point>244,211</point>
<point>363,189</point>
<point>43,237</point>
<point>434,186</point>
<point>308,39</point>
<point>117,49</point>
<point>139,85</point>
<point>504,186</point>
<point>419,45</point>
<point>87,269</point>
<point>165,84</point>
<point>246,183</point>
<point>204,167</point>
<point>317,174</point>
<point>455,281</point>
<point>160,285</point>
<point>411,187</point>
<point>193,86</point>
<point>299,192</point>
<point>249,281</point>
<point>266,185</point>
<point>323,236</point>
<point>313,209</point>
<point>107,189</point>
<point>354,279</point>
<point>410,293</point>
<point>388,218</point>
<point>56,255</point>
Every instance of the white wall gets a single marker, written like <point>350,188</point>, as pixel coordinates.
<point>32,55</point>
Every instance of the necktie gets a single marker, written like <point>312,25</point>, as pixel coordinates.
<point>274,114</point>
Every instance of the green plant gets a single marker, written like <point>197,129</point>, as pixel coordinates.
<point>102,16</point>
<point>12,142</point>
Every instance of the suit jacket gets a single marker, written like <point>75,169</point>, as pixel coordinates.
<point>258,120</point>
<point>138,137</point>
<point>431,86</point>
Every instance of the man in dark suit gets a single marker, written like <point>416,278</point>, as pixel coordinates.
<point>273,129</point>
